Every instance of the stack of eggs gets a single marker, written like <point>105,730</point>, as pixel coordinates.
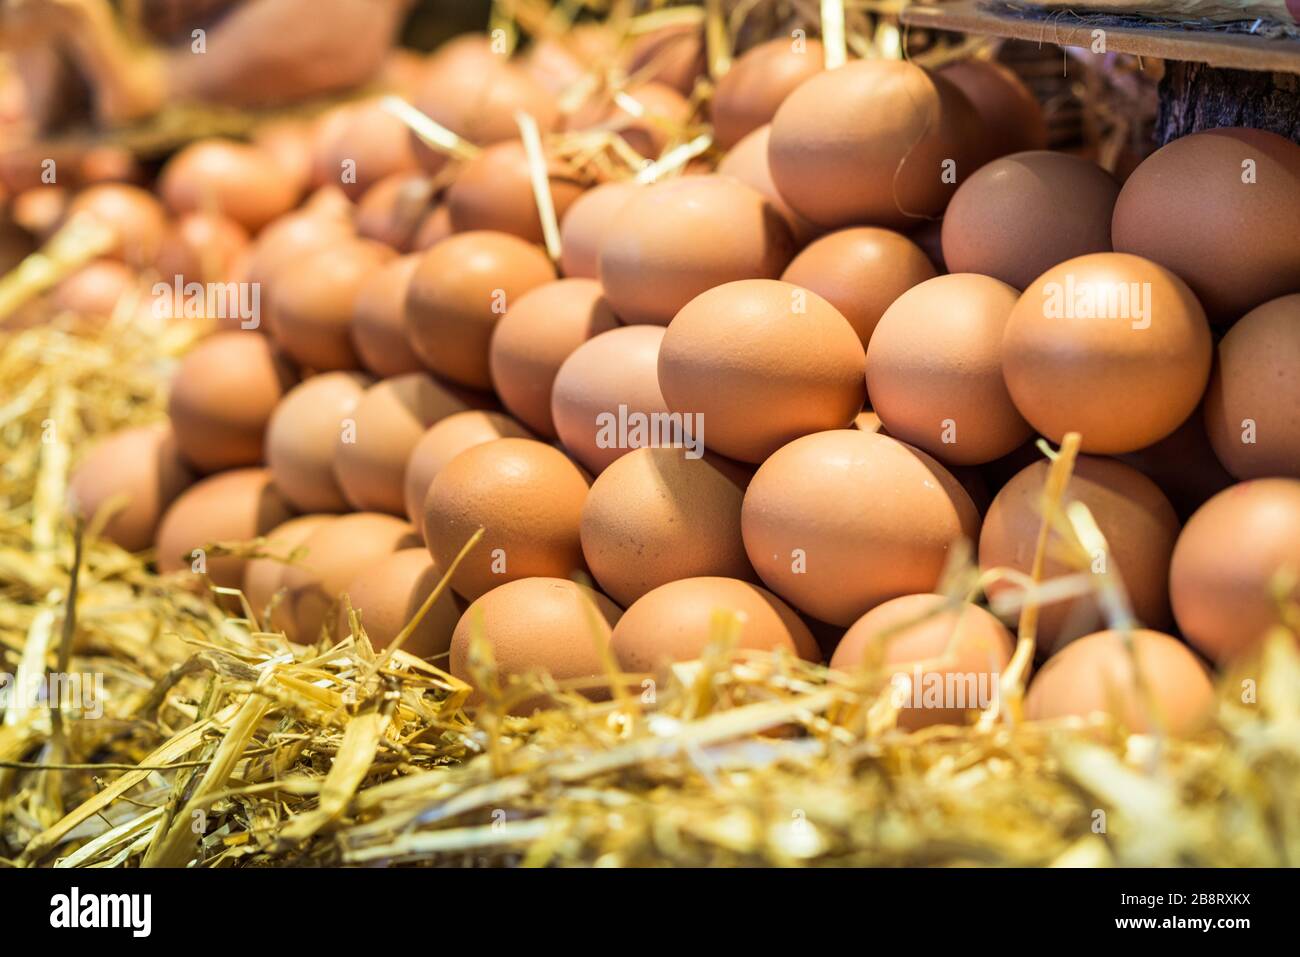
<point>788,387</point>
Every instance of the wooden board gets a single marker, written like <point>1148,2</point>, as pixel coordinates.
<point>1235,50</point>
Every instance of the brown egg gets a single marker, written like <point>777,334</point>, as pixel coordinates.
<point>388,595</point>
<point>94,290</point>
<point>1137,521</point>
<point>656,516</point>
<point>1018,216</point>
<point>934,370</point>
<point>223,395</point>
<point>137,220</point>
<point>316,299</point>
<point>289,143</point>
<point>1146,680</point>
<point>537,625</point>
<point>646,115</point>
<point>678,238</point>
<point>202,247</point>
<point>673,54</point>
<point>1012,116</point>
<point>677,621</point>
<point>527,495</point>
<point>460,289</point>
<point>1252,408</point>
<point>541,329</point>
<point>434,228</point>
<point>263,577</point>
<point>1184,466</point>
<point>763,362</point>
<point>336,553</point>
<point>378,326</point>
<point>1220,208</point>
<point>237,180</point>
<point>143,467</point>
<point>285,244</point>
<point>747,162</point>
<point>945,661</point>
<point>609,379</point>
<point>1108,345</point>
<point>367,145</point>
<point>1236,550</point>
<point>442,442</point>
<point>40,209</point>
<point>235,506</point>
<point>585,223</point>
<point>838,522</point>
<point>301,436</point>
<point>868,143</point>
<point>747,95</point>
<point>370,459</point>
<point>860,272</point>
<point>393,210</point>
<point>494,191</point>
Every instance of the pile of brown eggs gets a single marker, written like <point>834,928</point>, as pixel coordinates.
<point>784,379</point>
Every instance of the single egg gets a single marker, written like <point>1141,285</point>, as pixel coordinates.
<point>677,621</point>
<point>263,577</point>
<point>137,220</point>
<point>367,145</point>
<point>289,143</point>
<point>656,516</point>
<point>585,224</point>
<point>238,180</point>
<point>222,397</point>
<point>537,625</point>
<point>1221,209</point>
<point>648,116</point>
<point>747,95</point>
<point>1252,408</point>
<point>94,290</point>
<point>301,436</point>
<point>839,522</point>
<point>860,272</point>
<point>202,247</point>
<point>674,54</point>
<point>235,506</point>
<point>379,320</point>
<point>1018,216</point>
<point>1108,345</point>
<point>1231,567</point>
<point>1146,680</point>
<point>945,661</point>
<point>316,299</point>
<point>336,553</point>
<point>140,472</point>
<point>1137,521</point>
<point>388,595</point>
<point>747,162</point>
<point>675,239</point>
<point>541,329</point>
<point>1012,116</point>
<point>459,291</point>
<point>1184,465</point>
<point>934,370</point>
<point>39,210</point>
<point>108,164</point>
<point>393,210</point>
<point>285,244</point>
<point>442,442</point>
<point>761,362</point>
<point>494,191</point>
<point>878,142</point>
<point>528,498</point>
<point>606,401</point>
<point>370,458</point>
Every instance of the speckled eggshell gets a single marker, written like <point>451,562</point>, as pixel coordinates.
<point>1169,690</point>
<point>442,442</point>
<point>1018,216</point>
<point>238,180</point>
<point>234,506</point>
<point>142,464</point>
<point>1012,116</point>
<point>494,191</point>
<point>675,622</point>
<point>459,291</point>
<point>656,516</point>
<point>585,223</point>
<point>1252,408</point>
<point>747,162</point>
<point>301,436</point>
<point>1139,525</point>
<point>965,643</point>
<point>747,95</point>
<point>934,370</point>
<point>1232,551</point>
<point>527,495</point>
<point>137,219</point>
<point>1085,351</point>
<point>223,395</point>
<point>1221,208</point>
<point>388,595</point>
<point>839,522</point>
<point>370,459</point>
<point>677,238</point>
<point>860,271</point>
<point>379,320</point>
<point>263,577</point>
<point>763,362</point>
<point>540,330</point>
